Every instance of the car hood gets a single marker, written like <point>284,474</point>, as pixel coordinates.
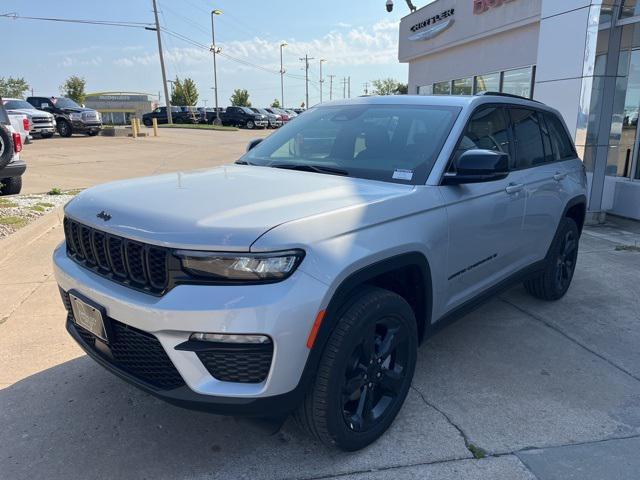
<point>77,110</point>
<point>226,208</point>
<point>30,111</point>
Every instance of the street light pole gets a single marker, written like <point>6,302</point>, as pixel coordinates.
<point>306,59</point>
<point>164,74</point>
<point>282,45</point>
<point>322,60</point>
<point>217,120</point>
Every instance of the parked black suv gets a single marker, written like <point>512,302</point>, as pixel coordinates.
<point>70,117</point>
<point>243,117</point>
<point>178,115</point>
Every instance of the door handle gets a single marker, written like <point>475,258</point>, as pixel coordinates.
<point>514,188</point>
<point>559,176</point>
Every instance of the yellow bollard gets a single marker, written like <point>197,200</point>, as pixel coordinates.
<point>134,131</point>
<point>155,127</point>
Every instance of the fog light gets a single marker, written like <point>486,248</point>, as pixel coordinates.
<point>230,338</point>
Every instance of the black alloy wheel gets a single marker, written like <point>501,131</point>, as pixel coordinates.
<point>554,280</point>
<point>566,260</point>
<point>365,371</point>
<point>375,372</point>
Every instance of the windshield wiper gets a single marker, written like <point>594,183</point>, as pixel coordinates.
<point>310,168</point>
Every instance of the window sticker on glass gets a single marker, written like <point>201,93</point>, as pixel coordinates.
<point>402,174</point>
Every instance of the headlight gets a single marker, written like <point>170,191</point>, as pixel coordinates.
<point>236,267</point>
<point>76,116</point>
<point>99,115</point>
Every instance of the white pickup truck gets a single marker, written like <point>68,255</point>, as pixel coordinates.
<point>41,123</point>
<point>12,167</point>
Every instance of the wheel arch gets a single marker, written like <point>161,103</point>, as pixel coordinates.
<point>576,209</point>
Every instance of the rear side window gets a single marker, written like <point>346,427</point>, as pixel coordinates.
<point>488,130</point>
<point>528,138</point>
<point>560,141</point>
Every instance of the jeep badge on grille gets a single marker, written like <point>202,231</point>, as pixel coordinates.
<point>104,216</point>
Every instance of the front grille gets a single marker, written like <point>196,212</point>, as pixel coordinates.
<point>38,120</point>
<point>131,263</point>
<point>133,351</point>
<point>242,364</point>
<point>90,116</point>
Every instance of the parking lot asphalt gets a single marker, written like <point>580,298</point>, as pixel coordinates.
<point>81,161</point>
<point>541,390</point>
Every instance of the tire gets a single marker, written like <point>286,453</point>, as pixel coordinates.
<point>93,133</point>
<point>46,135</point>
<point>554,281</point>
<point>147,122</point>
<point>250,124</point>
<point>11,186</point>
<point>339,408</point>
<point>64,129</point>
<point>6,147</point>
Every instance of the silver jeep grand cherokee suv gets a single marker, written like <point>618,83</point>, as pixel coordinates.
<point>303,277</point>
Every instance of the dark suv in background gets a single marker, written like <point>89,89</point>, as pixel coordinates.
<point>70,117</point>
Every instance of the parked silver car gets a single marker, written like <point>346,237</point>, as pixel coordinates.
<point>303,277</point>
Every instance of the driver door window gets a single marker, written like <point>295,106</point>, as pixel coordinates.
<point>488,129</point>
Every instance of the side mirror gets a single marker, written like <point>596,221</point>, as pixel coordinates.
<point>477,166</point>
<point>253,143</point>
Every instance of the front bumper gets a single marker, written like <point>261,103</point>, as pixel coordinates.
<point>284,311</point>
<point>82,127</point>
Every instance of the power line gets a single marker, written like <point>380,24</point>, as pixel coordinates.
<point>112,23</point>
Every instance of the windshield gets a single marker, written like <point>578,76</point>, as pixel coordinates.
<point>65,103</point>
<point>393,143</point>
<point>17,104</point>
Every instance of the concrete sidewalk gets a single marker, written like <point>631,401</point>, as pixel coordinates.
<point>543,390</point>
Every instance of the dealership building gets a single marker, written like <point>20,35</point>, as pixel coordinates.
<point>579,56</point>
<point>117,108</point>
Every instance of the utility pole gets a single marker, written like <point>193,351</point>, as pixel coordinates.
<point>214,49</point>
<point>282,45</point>
<point>306,78</point>
<point>366,88</point>
<point>331,86</point>
<point>344,87</point>
<point>349,86</point>
<point>322,60</point>
<point>164,74</point>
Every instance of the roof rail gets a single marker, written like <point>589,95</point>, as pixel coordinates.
<point>509,95</point>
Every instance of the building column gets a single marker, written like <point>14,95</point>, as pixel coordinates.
<point>566,78</point>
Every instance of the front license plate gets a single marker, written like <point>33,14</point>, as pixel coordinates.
<point>88,317</point>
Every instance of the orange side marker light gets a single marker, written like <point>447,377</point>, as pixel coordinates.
<point>314,330</point>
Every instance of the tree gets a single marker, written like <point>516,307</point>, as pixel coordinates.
<point>275,103</point>
<point>184,92</point>
<point>13,87</point>
<point>240,98</point>
<point>389,86</point>
<point>73,88</point>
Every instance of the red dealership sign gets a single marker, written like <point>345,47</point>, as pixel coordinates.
<point>481,6</point>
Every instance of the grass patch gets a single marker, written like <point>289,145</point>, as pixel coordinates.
<point>75,191</point>
<point>45,204</point>
<point>627,248</point>
<point>4,203</point>
<point>54,191</point>
<point>199,126</point>
<point>37,208</point>
<point>15,222</point>
<point>476,451</point>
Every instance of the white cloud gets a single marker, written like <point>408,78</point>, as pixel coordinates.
<point>374,45</point>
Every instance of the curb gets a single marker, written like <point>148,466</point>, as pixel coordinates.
<point>29,234</point>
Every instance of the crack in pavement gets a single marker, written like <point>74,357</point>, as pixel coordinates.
<point>569,337</point>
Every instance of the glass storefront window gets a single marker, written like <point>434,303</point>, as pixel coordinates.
<point>488,83</point>
<point>425,90</point>
<point>518,82</point>
<point>630,8</point>
<point>442,88</point>
<point>462,86</point>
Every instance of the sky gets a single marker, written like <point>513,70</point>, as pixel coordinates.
<point>358,38</point>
